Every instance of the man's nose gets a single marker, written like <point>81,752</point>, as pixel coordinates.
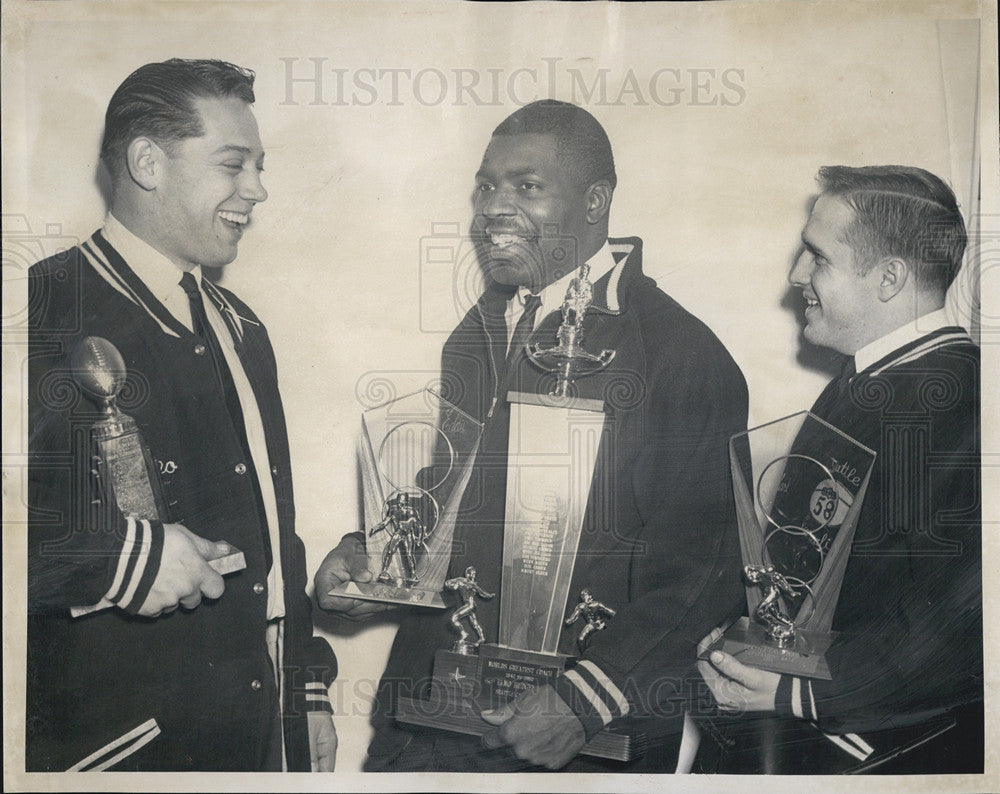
<point>496,203</point>
<point>252,188</point>
<point>802,270</point>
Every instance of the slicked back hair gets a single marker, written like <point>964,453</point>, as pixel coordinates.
<point>157,101</point>
<point>581,141</point>
<point>900,211</point>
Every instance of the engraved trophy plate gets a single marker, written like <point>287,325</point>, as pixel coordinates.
<point>417,454</point>
<point>125,468</point>
<point>797,518</point>
<point>552,450</point>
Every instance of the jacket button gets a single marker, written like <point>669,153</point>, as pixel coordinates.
<point>255,685</point>
<point>258,588</point>
<point>240,468</point>
<point>199,350</point>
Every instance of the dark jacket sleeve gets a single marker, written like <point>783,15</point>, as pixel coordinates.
<point>913,648</point>
<point>315,668</point>
<point>80,547</point>
<point>685,571</point>
<point>920,653</point>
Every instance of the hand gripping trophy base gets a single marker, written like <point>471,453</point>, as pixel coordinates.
<point>770,640</point>
<point>568,360</point>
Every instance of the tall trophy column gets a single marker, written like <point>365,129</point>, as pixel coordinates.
<point>553,443</point>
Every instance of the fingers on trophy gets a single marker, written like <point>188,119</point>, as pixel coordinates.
<point>796,521</point>
<point>416,455</point>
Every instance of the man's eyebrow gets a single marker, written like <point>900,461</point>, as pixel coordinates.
<point>232,147</point>
<point>520,172</point>
<point>812,249</point>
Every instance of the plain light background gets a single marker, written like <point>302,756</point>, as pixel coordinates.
<point>356,261</point>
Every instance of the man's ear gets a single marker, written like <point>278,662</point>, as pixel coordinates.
<point>144,160</point>
<point>598,200</point>
<point>893,275</point>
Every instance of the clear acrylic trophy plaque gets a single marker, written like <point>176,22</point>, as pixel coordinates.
<point>417,454</point>
<point>799,484</point>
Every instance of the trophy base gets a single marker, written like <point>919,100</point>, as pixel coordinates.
<point>390,593</point>
<point>748,641</point>
<point>464,685</point>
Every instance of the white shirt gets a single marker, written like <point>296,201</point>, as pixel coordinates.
<point>880,348</point>
<point>554,294</point>
<point>162,277</point>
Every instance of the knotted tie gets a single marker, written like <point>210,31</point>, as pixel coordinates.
<point>522,331</point>
<point>203,328</point>
<point>837,392</point>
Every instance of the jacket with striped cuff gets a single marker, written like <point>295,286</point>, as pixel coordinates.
<point>203,675</point>
<point>910,607</point>
<point>658,544</point>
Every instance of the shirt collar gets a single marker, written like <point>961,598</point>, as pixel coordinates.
<point>554,294</point>
<point>880,348</point>
<point>160,275</point>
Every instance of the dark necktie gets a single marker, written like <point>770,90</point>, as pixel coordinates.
<point>522,331</point>
<point>844,379</point>
<point>203,328</point>
<point>836,393</point>
<point>224,378</point>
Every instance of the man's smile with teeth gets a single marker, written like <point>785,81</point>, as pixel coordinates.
<point>235,217</point>
<point>503,240</point>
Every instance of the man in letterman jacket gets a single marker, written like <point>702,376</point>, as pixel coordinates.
<point>672,396</point>
<point>234,682</point>
<point>880,248</point>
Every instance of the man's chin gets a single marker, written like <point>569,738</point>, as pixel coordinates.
<point>220,258</point>
<point>512,272</point>
<point>504,274</point>
<point>819,337</point>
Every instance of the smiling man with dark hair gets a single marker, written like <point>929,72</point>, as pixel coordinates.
<point>180,670</point>
<point>658,536</point>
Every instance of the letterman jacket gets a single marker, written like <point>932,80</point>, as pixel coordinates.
<point>659,542</point>
<point>191,690</point>
<point>910,607</point>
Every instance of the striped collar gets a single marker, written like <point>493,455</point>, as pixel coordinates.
<point>607,296</point>
<point>160,275</point>
<point>600,263</point>
<point>554,294</point>
<point>909,342</point>
<point>153,283</point>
